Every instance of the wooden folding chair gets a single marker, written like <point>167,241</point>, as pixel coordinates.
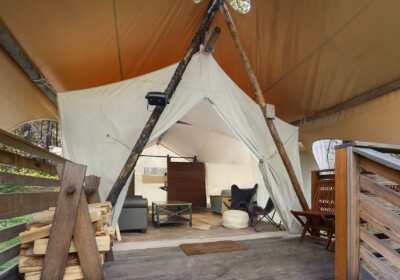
<point>321,217</point>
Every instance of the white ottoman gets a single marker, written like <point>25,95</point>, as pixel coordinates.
<point>235,219</point>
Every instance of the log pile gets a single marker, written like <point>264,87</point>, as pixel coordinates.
<point>35,239</point>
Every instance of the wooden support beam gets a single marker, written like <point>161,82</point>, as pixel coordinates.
<point>11,46</point>
<point>84,238</point>
<point>352,102</point>
<point>152,121</point>
<point>85,243</point>
<point>341,221</point>
<point>261,102</point>
<point>64,220</point>
<point>209,47</point>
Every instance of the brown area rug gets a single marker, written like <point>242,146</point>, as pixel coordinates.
<point>211,247</point>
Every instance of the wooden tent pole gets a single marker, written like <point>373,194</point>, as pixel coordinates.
<point>262,104</point>
<point>154,117</point>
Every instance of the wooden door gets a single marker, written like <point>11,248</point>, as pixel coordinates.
<point>187,182</point>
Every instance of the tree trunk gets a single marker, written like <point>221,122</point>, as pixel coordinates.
<point>176,78</point>
<point>48,135</point>
<point>57,128</point>
<point>41,134</point>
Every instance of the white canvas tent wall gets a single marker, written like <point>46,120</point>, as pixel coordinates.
<point>96,121</point>
<point>219,174</point>
<point>203,133</point>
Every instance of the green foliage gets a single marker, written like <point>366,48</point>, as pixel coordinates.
<point>9,243</point>
<point>15,221</point>
<point>6,265</point>
<point>44,134</point>
<point>6,244</point>
<point>26,171</point>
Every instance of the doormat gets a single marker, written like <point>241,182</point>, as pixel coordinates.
<point>211,247</point>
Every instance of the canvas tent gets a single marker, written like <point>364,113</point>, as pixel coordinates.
<point>307,55</point>
<point>99,123</point>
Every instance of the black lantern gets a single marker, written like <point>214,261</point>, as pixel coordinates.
<point>157,98</point>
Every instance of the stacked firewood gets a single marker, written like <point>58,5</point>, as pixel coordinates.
<point>35,239</point>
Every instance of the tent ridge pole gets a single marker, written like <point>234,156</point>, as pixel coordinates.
<point>261,102</point>
<point>352,102</point>
<point>11,46</point>
<point>154,117</point>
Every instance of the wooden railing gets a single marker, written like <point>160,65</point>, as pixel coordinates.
<point>18,153</point>
<point>367,212</point>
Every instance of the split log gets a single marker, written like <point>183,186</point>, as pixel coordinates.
<point>48,215</point>
<point>40,245</point>
<point>35,263</point>
<point>261,102</point>
<point>26,251</point>
<point>33,234</point>
<point>152,121</point>
<point>71,272</point>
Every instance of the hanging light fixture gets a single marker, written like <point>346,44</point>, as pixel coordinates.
<point>241,6</point>
<point>157,99</point>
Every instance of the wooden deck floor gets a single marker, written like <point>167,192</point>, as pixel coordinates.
<point>156,254</point>
<point>207,226</point>
<point>269,258</point>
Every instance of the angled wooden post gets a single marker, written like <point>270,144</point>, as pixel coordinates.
<point>151,123</point>
<point>64,219</point>
<point>71,218</point>
<point>262,104</point>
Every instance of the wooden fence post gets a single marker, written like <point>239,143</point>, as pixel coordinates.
<point>347,224</point>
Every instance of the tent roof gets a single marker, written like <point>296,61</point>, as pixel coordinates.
<point>307,55</point>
